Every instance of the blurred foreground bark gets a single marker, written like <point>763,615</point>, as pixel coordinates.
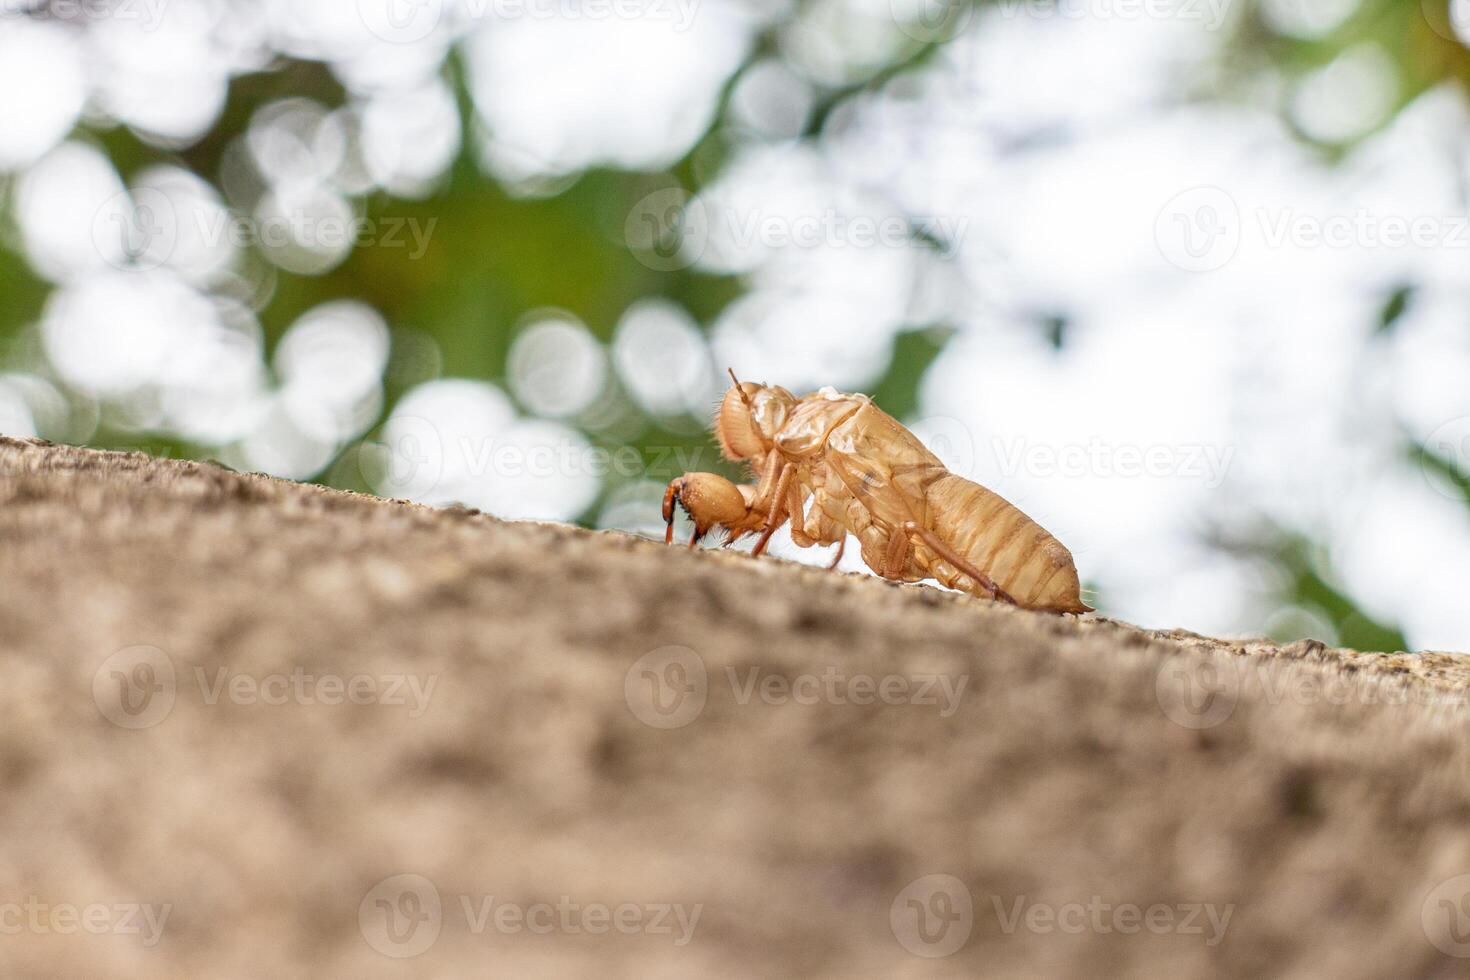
<point>250,728</point>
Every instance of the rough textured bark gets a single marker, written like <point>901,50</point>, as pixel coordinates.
<point>1086,767</point>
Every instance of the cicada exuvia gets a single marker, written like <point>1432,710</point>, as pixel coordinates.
<point>833,464</point>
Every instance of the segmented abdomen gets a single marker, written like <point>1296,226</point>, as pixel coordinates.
<point>1018,554</point>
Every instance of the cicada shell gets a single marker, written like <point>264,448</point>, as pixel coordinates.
<point>834,464</point>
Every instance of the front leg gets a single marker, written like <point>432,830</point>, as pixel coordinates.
<point>777,516</point>
<point>711,501</point>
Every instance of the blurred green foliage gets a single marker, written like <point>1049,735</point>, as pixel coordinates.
<point>494,257</point>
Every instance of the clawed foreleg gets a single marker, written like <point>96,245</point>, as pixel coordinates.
<point>711,501</point>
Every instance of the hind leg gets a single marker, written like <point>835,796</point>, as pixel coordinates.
<point>961,563</point>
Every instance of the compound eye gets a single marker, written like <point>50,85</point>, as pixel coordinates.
<point>736,428</point>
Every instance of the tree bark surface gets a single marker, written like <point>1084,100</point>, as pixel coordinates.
<point>327,731</point>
